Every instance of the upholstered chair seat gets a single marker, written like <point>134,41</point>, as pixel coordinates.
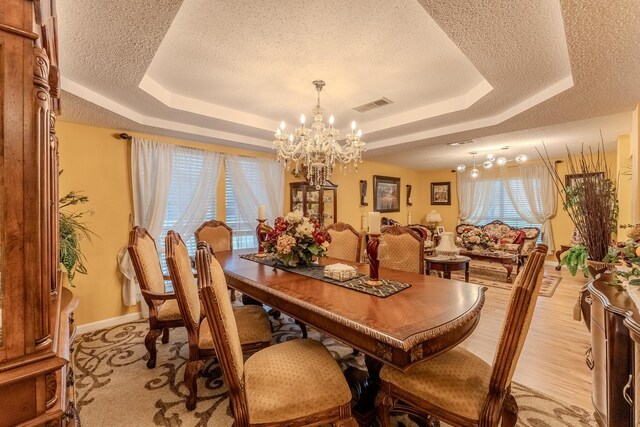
<point>169,310</point>
<point>456,381</point>
<point>291,380</point>
<point>253,326</point>
<point>295,383</point>
<point>458,387</point>
<point>253,322</point>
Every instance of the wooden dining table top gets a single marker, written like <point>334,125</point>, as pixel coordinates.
<point>429,317</point>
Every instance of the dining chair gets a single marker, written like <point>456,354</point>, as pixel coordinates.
<point>293,383</point>
<point>219,236</point>
<point>254,327</point>
<point>459,388</point>
<point>345,243</point>
<point>405,249</point>
<point>163,306</point>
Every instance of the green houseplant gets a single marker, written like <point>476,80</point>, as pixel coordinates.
<point>575,258</point>
<point>72,229</point>
<point>589,196</point>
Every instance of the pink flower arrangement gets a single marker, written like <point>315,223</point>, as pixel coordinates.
<point>474,237</point>
<point>295,239</point>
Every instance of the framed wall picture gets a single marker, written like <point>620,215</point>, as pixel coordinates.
<point>569,180</point>
<point>386,194</point>
<point>441,193</point>
<point>439,229</point>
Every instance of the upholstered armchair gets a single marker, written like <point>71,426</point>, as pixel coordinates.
<point>163,306</point>
<point>405,249</point>
<point>254,328</point>
<point>459,388</point>
<point>345,243</point>
<point>293,383</point>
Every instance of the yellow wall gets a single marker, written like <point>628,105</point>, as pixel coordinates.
<point>635,165</point>
<point>98,164</point>
<point>625,184</point>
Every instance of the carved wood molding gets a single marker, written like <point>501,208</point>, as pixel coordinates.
<point>18,31</point>
<point>51,387</point>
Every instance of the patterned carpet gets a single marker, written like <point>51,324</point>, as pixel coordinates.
<point>491,274</point>
<point>115,388</point>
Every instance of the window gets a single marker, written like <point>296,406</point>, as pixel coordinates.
<point>244,234</point>
<point>502,208</point>
<point>186,170</point>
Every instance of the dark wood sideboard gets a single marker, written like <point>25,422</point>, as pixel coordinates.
<point>614,356</point>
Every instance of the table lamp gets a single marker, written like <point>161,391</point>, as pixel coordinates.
<point>433,218</point>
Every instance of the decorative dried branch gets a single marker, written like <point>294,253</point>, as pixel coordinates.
<point>591,200</point>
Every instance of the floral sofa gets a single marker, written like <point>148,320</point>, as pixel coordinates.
<point>501,236</point>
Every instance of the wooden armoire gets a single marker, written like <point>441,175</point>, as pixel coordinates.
<point>36,322</point>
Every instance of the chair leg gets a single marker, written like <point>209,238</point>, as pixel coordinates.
<point>165,335</point>
<point>510,412</point>
<point>150,343</point>
<point>303,328</point>
<point>191,373</point>
<point>384,403</point>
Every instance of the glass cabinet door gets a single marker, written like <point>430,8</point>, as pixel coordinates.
<point>312,208</point>
<point>297,199</point>
<point>328,206</point>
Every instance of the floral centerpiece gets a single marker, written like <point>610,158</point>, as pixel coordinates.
<point>295,239</point>
<point>473,237</point>
<point>628,253</point>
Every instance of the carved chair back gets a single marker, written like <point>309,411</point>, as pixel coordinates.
<point>217,234</point>
<point>517,320</point>
<point>224,328</point>
<point>345,242</point>
<point>405,249</point>
<point>184,285</point>
<point>144,255</point>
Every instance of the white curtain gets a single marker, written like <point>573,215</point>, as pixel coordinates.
<point>533,194</point>
<point>151,163</point>
<point>475,195</point>
<point>266,190</point>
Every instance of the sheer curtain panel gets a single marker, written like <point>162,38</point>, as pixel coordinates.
<point>475,195</point>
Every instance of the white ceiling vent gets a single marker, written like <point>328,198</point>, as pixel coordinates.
<point>373,105</point>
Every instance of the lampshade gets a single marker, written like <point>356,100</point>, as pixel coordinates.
<point>434,216</point>
<point>447,246</point>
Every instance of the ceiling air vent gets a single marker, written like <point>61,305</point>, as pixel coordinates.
<point>373,105</point>
<point>456,143</point>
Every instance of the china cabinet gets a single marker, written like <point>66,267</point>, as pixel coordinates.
<point>36,312</point>
<point>315,202</point>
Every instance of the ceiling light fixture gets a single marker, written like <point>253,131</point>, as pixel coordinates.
<point>317,147</point>
<point>488,164</point>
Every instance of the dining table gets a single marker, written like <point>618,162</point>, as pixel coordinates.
<point>427,318</point>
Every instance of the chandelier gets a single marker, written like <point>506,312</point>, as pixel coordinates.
<point>491,160</point>
<point>317,147</point>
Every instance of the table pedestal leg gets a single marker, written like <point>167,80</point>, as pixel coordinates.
<point>509,267</point>
<point>364,386</point>
<point>466,272</point>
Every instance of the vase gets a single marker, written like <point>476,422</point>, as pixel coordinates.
<point>597,268</point>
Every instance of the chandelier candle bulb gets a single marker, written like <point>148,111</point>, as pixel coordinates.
<point>374,222</point>
<point>262,212</point>
<point>302,120</point>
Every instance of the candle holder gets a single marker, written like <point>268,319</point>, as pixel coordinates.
<point>261,234</point>
<point>372,257</point>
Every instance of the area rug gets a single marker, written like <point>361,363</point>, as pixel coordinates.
<point>495,275</point>
<point>115,388</point>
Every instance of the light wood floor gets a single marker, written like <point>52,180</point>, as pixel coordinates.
<point>553,358</point>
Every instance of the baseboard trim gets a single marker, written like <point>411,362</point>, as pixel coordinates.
<point>108,323</point>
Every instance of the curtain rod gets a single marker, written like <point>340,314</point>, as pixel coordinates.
<point>123,135</point>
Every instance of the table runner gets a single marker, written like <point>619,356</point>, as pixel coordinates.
<point>387,288</point>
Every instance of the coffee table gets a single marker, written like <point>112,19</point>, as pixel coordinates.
<point>506,259</point>
<point>447,265</point>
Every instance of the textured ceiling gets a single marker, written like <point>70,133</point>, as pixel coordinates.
<point>226,72</point>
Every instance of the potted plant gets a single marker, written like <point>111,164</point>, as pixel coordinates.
<point>575,258</point>
<point>590,200</point>
<point>72,229</point>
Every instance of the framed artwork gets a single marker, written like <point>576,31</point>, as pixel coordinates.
<point>441,193</point>
<point>386,194</point>
<point>569,180</point>
<point>439,229</point>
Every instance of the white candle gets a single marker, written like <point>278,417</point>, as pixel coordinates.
<point>374,222</point>
<point>262,212</point>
